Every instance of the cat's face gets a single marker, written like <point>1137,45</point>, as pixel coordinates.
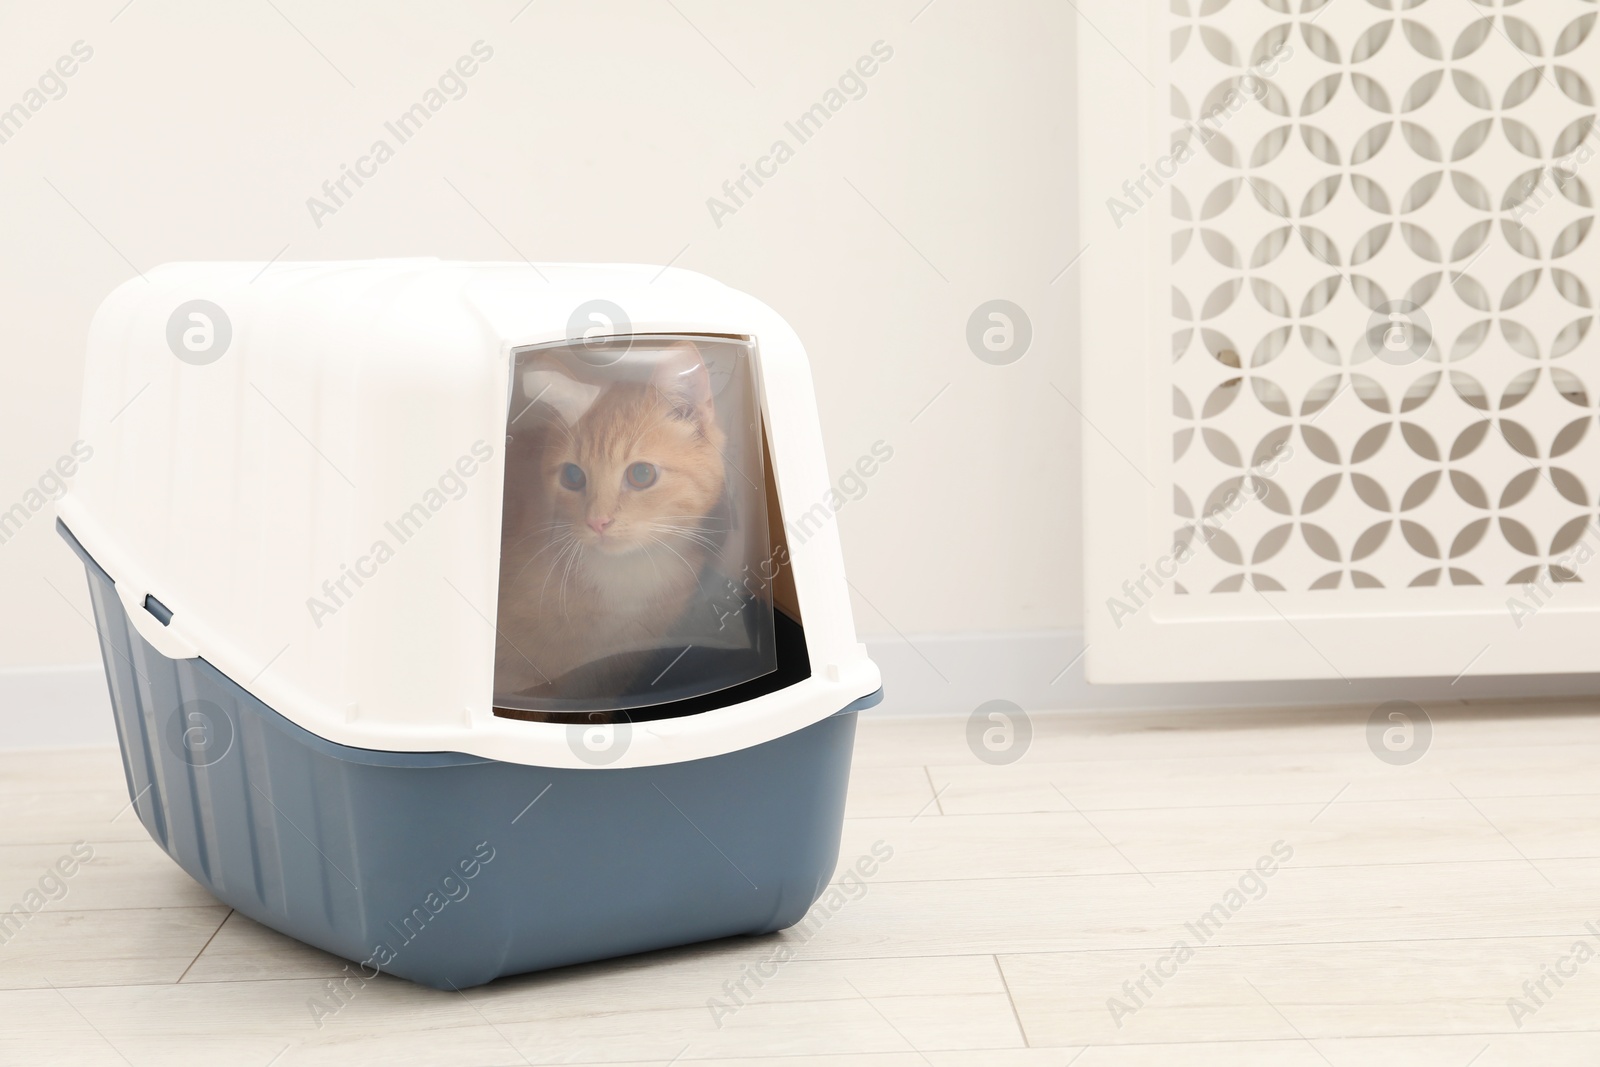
<point>642,465</point>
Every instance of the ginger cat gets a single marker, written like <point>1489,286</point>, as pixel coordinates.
<point>607,551</point>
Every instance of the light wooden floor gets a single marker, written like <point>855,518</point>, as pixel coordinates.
<point>1418,899</point>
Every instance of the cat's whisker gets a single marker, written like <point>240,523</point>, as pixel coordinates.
<point>544,529</point>
<point>561,542</point>
<point>693,536</point>
<point>653,564</point>
<point>692,572</point>
<point>694,524</point>
<point>687,531</point>
<point>691,542</point>
<point>561,583</point>
<point>708,523</point>
<point>545,585</point>
<point>571,545</point>
<point>660,521</point>
<point>566,577</point>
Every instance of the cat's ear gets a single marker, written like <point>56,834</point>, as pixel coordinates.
<point>567,397</point>
<point>681,377</point>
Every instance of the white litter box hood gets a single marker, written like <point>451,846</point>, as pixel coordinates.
<point>235,489</point>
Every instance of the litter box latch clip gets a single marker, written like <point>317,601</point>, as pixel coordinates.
<point>153,621</point>
<point>155,607</point>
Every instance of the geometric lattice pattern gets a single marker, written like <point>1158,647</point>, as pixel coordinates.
<point>1383,279</point>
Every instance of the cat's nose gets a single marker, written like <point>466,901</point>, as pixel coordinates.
<point>599,525</point>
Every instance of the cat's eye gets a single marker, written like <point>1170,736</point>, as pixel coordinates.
<point>642,475</point>
<point>572,476</point>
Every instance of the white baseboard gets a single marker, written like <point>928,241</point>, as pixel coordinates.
<point>55,707</point>
<point>947,674</point>
<point>951,674</point>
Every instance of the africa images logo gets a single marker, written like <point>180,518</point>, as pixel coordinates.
<point>200,733</point>
<point>199,332</point>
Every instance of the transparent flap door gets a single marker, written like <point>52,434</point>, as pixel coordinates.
<point>635,526</point>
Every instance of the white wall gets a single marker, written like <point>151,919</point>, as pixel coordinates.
<point>596,132</point>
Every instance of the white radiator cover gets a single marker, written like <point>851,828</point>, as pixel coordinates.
<point>1339,298</point>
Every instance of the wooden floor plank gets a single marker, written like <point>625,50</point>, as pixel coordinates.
<point>1372,989</point>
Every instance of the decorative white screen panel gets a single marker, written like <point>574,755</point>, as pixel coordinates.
<point>1382,286</point>
<point>1356,239</point>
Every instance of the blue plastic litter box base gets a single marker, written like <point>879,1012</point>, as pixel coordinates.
<point>452,870</point>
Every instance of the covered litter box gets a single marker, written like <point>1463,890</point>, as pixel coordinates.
<point>470,619</point>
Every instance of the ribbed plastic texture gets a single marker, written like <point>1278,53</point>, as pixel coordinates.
<point>452,870</point>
